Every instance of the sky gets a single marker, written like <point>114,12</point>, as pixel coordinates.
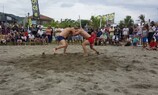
<point>71,9</point>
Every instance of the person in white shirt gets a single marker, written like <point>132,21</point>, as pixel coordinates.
<point>125,33</point>
<point>31,37</point>
<point>40,32</point>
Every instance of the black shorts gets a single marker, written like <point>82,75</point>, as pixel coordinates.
<point>59,38</point>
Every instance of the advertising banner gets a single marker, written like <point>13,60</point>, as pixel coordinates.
<point>35,9</point>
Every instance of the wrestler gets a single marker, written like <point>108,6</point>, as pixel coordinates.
<point>62,38</point>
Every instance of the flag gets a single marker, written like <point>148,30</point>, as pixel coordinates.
<point>35,9</point>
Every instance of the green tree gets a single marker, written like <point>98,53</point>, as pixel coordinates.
<point>68,23</point>
<point>95,22</point>
<point>142,18</point>
<point>54,23</point>
<point>121,24</point>
<point>128,21</point>
<point>84,23</point>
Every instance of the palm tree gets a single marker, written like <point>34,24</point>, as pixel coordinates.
<point>128,21</point>
<point>142,18</point>
<point>95,22</point>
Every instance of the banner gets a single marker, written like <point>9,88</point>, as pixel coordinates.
<point>30,22</point>
<point>35,9</point>
<point>111,18</point>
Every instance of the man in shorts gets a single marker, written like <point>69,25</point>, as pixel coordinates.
<point>89,40</point>
<point>63,36</point>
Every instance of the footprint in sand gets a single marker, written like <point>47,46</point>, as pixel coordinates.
<point>45,86</point>
<point>3,81</point>
<point>117,90</point>
<point>141,86</point>
<point>136,61</point>
<point>155,57</point>
<point>153,71</point>
<point>84,79</point>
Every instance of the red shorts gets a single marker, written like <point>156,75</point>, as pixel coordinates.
<point>91,40</point>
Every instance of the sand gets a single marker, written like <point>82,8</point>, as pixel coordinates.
<point>26,70</point>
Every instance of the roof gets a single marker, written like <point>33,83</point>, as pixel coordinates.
<point>43,17</point>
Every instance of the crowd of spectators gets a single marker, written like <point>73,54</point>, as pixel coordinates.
<point>145,35</point>
<point>19,35</point>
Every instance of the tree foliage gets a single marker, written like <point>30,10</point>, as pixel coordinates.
<point>128,21</point>
<point>84,23</point>
<point>142,18</point>
<point>95,22</point>
<point>63,23</point>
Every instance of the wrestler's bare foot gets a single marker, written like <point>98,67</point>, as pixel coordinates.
<point>97,53</point>
<point>54,50</point>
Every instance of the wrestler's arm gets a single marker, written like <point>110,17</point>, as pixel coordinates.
<point>74,33</point>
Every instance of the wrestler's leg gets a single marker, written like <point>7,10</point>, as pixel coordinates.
<point>63,45</point>
<point>86,42</point>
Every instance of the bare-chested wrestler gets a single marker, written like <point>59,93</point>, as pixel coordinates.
<point>62,38</point>
<point>89,41</point>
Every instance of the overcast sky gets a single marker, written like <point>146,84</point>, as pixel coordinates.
<point>62,9</point>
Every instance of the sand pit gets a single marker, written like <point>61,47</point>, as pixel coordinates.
<point>72,62</point>
<point>116,71</point>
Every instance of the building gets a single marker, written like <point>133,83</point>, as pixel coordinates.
<point>42,20</point>
<point>10,18</point>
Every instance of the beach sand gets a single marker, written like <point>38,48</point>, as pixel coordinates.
<point>34,70</point>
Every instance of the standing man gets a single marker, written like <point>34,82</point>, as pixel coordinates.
<point>49,34</point>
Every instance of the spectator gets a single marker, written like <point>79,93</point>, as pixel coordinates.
<point>131,32</point>
<point>24,38</point>
<point>31,38</point>
<point>125,33</point>
<point>156,37</point>
<point>135,41</point>
<point>103,38</point>
<point>144,37</point>
<point>40,32</point>
<point>34,30</point>
<point>135,31</point>
<point>151,33</point>
<point>152,45</point>
<point>3,40</point>
<point>19,39</point>
<point>15,28</point>
<point>117,34</point>
<point>49,34</point>
<point>111,33</point>
<point>38,39</point>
